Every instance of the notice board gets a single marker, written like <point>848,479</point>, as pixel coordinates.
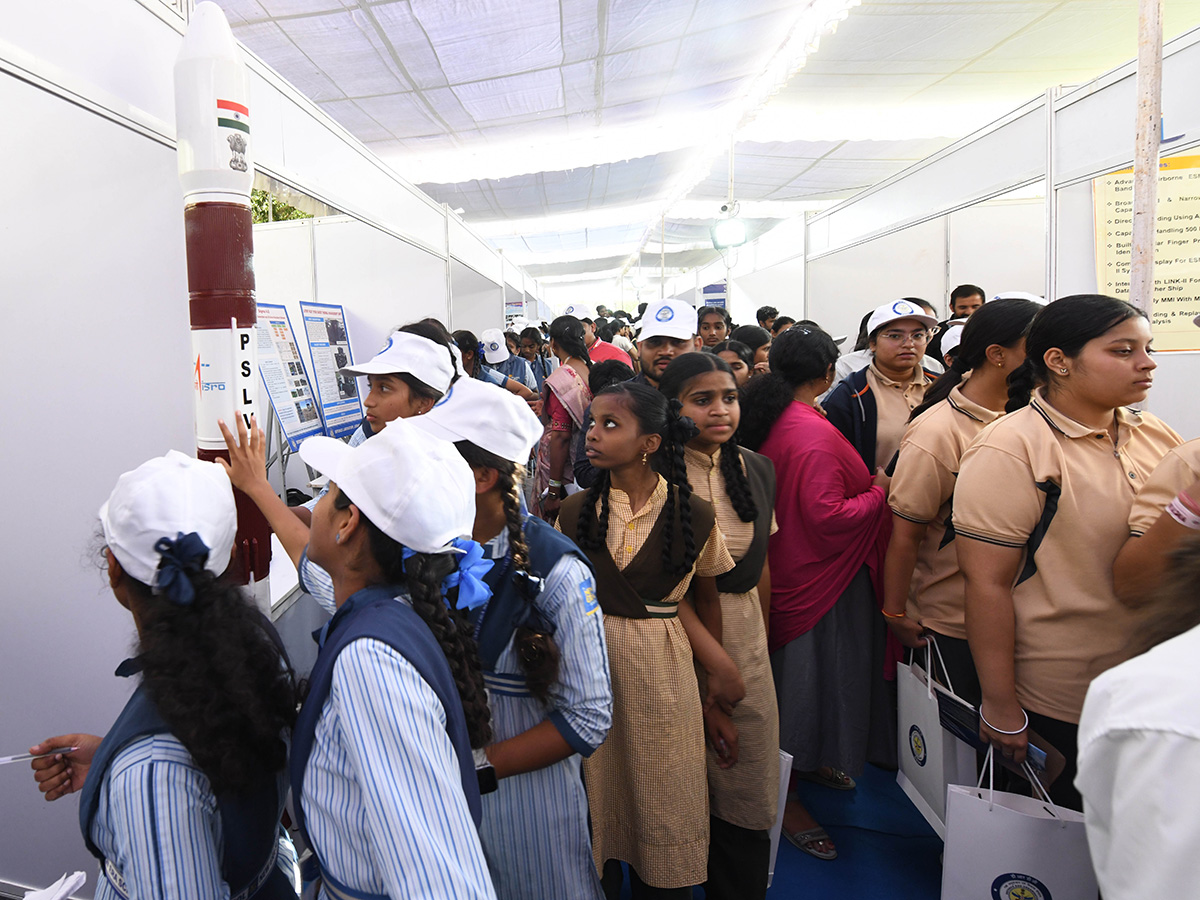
<point>284,376</point>
<point>329,349</point>
<point>1176,251</point>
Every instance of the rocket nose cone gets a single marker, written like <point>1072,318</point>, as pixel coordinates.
<point>208,34</point>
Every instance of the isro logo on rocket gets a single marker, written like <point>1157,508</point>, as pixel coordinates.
<point>200,383</point>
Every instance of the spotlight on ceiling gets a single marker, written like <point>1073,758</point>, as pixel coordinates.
<point>728,233</point>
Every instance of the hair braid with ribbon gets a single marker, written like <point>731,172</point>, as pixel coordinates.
<point>435,584</point>
<point>539,655</point>
<point>216,676</point>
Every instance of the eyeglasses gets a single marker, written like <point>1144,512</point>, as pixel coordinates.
<point>900,337</point>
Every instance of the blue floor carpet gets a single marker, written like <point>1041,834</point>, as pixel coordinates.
<point>886,850</point>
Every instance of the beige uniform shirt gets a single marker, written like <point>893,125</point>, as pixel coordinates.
<point>1179,469</point>
<point>894,402</point>
<point>921,491</point>
<point>1061,491</point>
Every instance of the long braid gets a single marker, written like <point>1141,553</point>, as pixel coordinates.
<point>422,574</point>
<point>536,649</point>
<point>737,486</point>
<point>535,646</point>
<point>593,532</point>
<point>680,430</point>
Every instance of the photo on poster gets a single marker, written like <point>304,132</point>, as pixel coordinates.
<point>282,372</point>
<point>329,349</point>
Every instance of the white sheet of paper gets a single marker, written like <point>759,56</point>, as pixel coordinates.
<point>61,889</point>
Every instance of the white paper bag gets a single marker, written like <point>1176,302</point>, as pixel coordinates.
<point>785,777</point>
<point>1014,848</point>
<point>930,757</point>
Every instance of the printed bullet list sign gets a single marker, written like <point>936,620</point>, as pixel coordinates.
<point>1176,252</point>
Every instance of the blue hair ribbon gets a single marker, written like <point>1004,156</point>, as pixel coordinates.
<point>467,577</point>
<point>182,559</point>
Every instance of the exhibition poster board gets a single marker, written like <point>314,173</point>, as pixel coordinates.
<point>1176,250</point>
<point>329,350</point>
<point>284,376</point>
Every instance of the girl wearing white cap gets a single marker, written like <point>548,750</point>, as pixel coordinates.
<point>541,643</point>
<point>384,780</point>
<point>871,407</point>
<point>180,799</point>
<point>412,372</point>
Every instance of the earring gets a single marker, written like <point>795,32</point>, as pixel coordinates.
<point>1064,371</point>
<point>644,458</point>
<point>337,538</point>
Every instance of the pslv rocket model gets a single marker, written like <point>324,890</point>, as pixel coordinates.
<point>212,120</point>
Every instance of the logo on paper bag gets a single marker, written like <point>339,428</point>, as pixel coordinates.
<point>666,314</point>
<point>916,743</point>
<point>1015,886</point>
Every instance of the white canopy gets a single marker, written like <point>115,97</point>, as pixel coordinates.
<point>566,130</point>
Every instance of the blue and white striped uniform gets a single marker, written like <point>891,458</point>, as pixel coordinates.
<point>159,825</point>
<point>535,825</point>
<point>383,797</point>
<point>317,582</point>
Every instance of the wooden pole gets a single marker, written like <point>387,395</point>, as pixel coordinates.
<point>1145,160</point>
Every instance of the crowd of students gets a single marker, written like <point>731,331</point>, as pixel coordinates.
<point>580,595</point>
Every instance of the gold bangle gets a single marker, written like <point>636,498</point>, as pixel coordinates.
<point>899,615</point>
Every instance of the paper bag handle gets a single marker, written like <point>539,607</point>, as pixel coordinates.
<point>989,768</point>
<point>931,647</point>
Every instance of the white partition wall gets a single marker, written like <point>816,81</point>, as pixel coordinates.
<point>98,370</point>
<point>97,380</point>
<point>478,301</point>
<point>843,286</point>
<point>948,205</point>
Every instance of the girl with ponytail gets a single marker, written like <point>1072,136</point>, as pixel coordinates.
<point>1041,510</point>
<point>201,747</point>
<point>923,587</point>
<point>541,644</point>
<point>565,399</point>
<point>387,761</point>
<point>741,487</point>
<point>651,542</point>
<point>826,637</point>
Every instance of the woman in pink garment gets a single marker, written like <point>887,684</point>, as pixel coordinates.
<point>825,559</point>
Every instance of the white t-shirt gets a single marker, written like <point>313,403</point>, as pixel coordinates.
<point>1139,773</point>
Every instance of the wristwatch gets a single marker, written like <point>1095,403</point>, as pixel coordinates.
<point>485,772</point>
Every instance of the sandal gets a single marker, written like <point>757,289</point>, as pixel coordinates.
<point>808,841</point>
<point>836,779</point>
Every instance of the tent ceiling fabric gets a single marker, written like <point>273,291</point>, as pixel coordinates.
<point>565,129</point>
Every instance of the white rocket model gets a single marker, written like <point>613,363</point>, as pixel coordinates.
<point>212,119</point>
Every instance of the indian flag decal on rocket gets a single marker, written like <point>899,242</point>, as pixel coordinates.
<point>233,115</point>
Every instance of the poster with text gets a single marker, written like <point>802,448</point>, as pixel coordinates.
<point>1176,249</point>
<point>284,376</point>
<point>329,346</point>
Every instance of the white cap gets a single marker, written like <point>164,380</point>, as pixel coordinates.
<point>425,360</point>
<point>414,488</point>
<point>580,311</point>
<point>669,318</point>
<point>896,310</point>
<point>163,498</point>
<point>489,417</point>
<point>952,336</point>
<point>1021,295</point>
<point>495,348</point>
